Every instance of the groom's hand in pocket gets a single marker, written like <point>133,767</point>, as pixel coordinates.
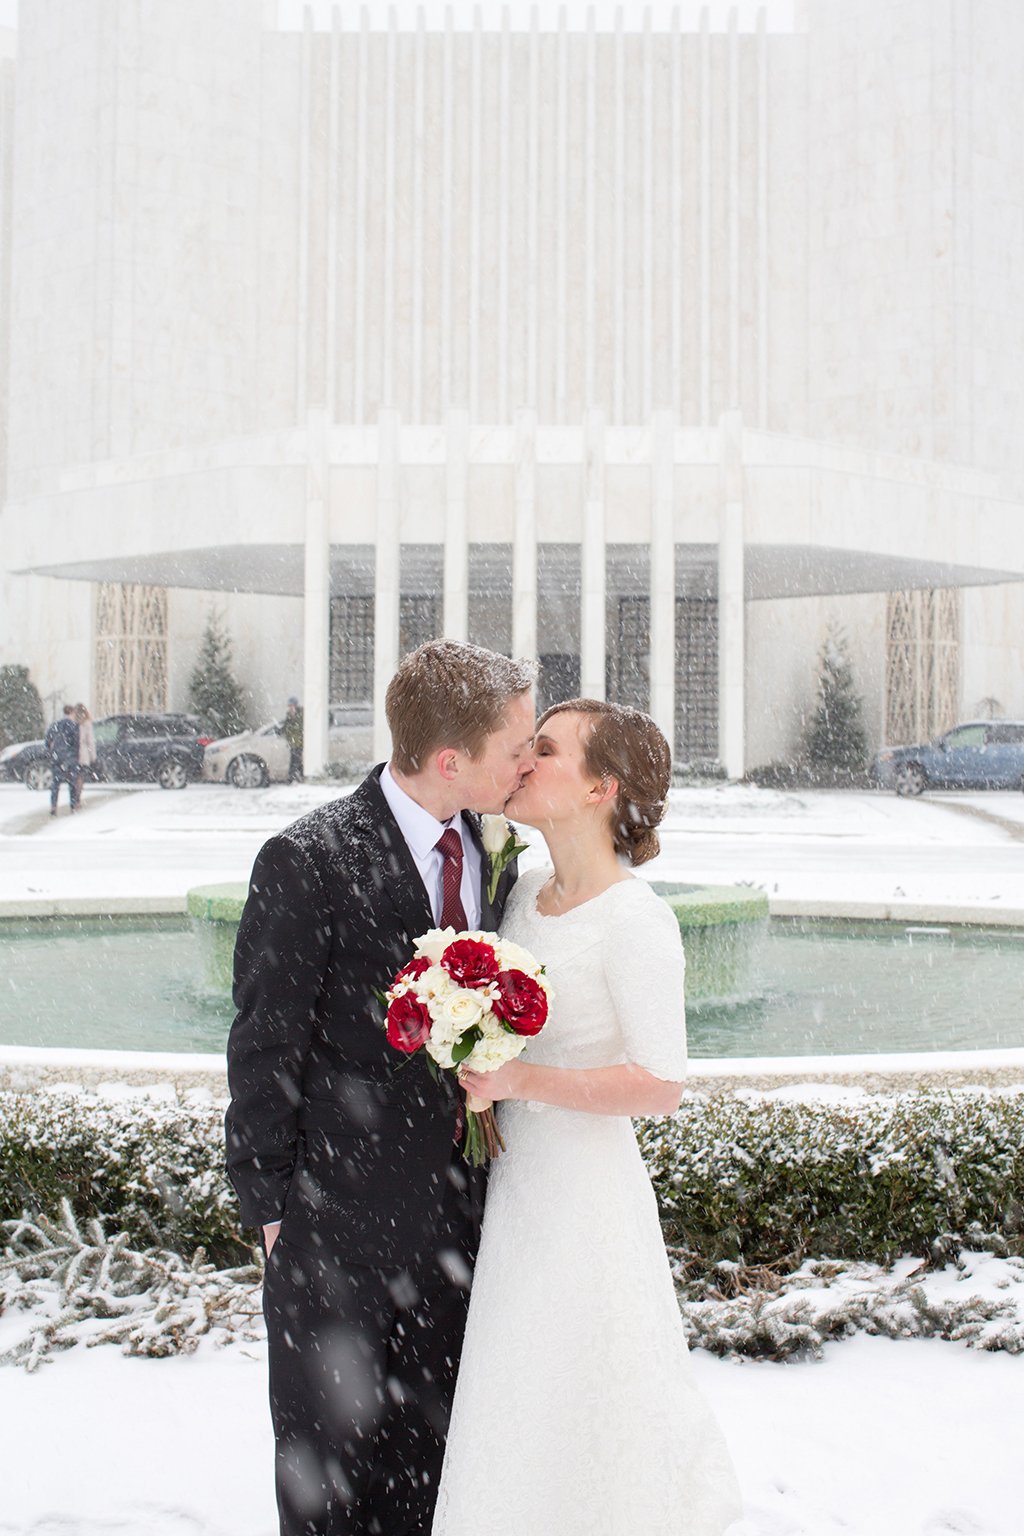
<point>270,1232</point>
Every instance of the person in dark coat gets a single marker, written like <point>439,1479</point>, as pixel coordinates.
<point>343,1153</point>
<point>293,735</point>
<point>61,743</point>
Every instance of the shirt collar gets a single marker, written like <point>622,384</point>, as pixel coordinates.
<point>420,829</point>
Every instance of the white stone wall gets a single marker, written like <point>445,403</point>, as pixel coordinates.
<point>133,248</point>
<point>217,226</point>
<point>916,227</point>
<point>266,643</point>
<point>993,650</point>
<point>553,220</point>
<point>784,640</point>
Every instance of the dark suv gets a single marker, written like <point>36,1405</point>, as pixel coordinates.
<point>166,749</point>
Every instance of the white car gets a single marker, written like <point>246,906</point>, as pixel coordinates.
<point>253,759</point>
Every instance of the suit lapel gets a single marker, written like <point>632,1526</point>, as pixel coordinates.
<point>488,917</point>
<point>393,868</point>
<point>392,864</point>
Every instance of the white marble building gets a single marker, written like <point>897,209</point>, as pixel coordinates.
<point>642,350</point>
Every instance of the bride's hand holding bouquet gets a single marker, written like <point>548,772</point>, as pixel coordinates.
<point>471,1001</point>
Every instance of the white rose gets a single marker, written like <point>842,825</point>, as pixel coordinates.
<point>512,957</point>
<point>488,1055</point>
<point>444,1032</point>
<point>494,833</point>
<point>434,983</point>
<point>433,944</point>
<point>440,1050</point>
<point>461,1009</point>
<point>492,1026</point>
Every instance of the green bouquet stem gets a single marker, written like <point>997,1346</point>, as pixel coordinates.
<point>483,1139</point>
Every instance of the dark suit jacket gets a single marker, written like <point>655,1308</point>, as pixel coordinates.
<point>328,1127</point>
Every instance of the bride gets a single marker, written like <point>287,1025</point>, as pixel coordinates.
<point>576,1412</point>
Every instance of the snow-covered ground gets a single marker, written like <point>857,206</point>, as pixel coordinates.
<point>881,1438</point>
<point>799,845</point>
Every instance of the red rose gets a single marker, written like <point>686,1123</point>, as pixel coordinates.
<point>408,1023</point>
<point>415,967</point>
<point>522,1003</point>
<point>470,963</point>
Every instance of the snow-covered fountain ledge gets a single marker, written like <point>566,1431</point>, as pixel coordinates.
<point>26,1068</point>
<point>896,909</point>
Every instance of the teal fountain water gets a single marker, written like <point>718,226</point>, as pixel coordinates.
<point>785,986</point>
<point>720,925</point>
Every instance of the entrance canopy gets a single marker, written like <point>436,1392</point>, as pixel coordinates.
<point>771,570</point>
<point>548,515</point>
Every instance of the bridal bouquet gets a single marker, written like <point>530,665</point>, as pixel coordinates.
<point>473,998</point>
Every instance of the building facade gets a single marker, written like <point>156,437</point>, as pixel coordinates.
<point>643,352</point>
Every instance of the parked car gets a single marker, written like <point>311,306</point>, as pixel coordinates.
<point>25,762</point>
<point>978,754</point>
<point>138,748</point>
<point>253,759</point>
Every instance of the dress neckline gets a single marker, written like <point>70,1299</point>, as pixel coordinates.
<point>552,917</point>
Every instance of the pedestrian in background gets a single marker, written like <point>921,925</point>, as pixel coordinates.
<point>86,751</point>
<point>293,736</point>
<point>62,744</point>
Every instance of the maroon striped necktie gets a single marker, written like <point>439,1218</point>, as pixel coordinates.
<point>453,913</point>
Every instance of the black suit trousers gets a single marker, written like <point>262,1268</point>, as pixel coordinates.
<point>362,1375</point>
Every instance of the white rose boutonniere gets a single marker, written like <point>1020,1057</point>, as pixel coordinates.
<point>501,846</point>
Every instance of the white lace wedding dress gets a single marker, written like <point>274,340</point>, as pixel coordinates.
<point>576,1412</point>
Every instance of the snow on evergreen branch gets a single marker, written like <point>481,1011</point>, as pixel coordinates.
<point>77,1285</point>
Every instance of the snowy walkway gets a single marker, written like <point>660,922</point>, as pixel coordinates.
<point>806,845</point>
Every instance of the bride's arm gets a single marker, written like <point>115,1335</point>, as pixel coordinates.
<point>621,1090</point>
<point>644,970</point>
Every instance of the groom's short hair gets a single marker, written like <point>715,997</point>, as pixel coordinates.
<point>448,694</point>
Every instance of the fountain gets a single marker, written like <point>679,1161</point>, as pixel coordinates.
<point>720,925</point>
<point>756,986</point>
<point>215,911</point>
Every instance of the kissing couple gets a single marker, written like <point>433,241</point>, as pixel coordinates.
<point>454,1352</point>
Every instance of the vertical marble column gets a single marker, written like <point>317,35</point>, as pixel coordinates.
<point>663,577</point>
<point>456,542</point>
<point>524,547</point>
<point>387,575</point>
<point>316,611</point>
<point>592,559</point>
<point>731,615</point>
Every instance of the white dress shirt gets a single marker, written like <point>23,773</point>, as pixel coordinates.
<point>421,832</point>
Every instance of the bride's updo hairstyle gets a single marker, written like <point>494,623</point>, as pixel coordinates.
<point>626,745</point>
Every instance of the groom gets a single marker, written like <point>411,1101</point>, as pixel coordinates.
<point>344,1154</point>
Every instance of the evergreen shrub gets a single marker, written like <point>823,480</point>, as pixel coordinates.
<point>748,1179</point>
<point>21,709</point>
<point>762,1181</point>
<point>214,692</point>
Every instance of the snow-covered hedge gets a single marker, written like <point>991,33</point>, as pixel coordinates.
<point>748,1179</point>
<point>152,1169</point>
<point>769,1182</point>
<point>788,1223</point>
